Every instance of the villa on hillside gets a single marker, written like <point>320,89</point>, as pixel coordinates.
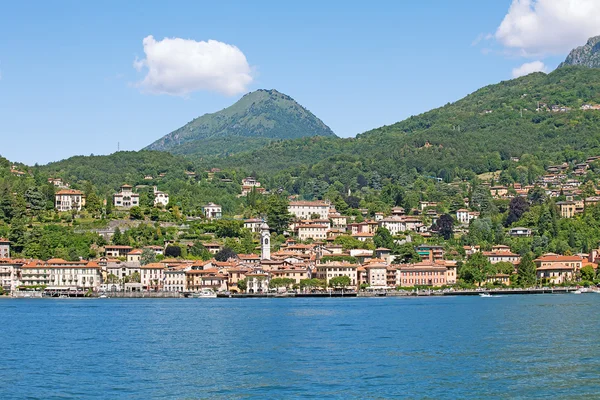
<point>126,198</point>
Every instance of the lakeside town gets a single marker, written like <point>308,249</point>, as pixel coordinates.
<point>321,250</point>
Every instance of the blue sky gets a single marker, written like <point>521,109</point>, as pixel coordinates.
<point>68,85</point>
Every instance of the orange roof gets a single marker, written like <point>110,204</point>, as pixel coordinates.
<point>558,258</point>
<point>69,191</point>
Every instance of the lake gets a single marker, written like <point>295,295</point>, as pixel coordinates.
<point>525,346</point>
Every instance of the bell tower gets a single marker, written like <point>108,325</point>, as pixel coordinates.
<point>265,242</point>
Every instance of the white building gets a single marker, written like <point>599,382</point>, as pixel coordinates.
<point>465,216</point>
<point>306,209</point>
<point>126,198</point>
<point>265,242</point>
<point>4,248</point>
<point>253,225</point>
<point>212,211</point>
<point>257,282</point>
<point>152,276</point>
<point>175,280</point>
<point>59,275</point>
<point>160,198</point>
<point>9,275</point>
<point>68,200</point>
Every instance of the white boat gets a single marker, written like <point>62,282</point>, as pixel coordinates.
<point>103,296</point>
<point>577,291</point>
<point>205,294</point>
<point>485,295</point>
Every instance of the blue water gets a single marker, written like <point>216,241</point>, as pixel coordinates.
<point>540,346</point>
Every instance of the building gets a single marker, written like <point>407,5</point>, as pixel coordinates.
<point>152,276</point>
<point>10,274</point>
<point>519,232</point>
<point>4,248</point>
<point>551,259</point>
<point>330,270</point>
<point>134,256</point>
<point>126,198</point>
<point>253,224</point>
<point>250,183</point>
<point>175,280</point>
<point>376,275</point>
<point>69,200</point>
<point>567,208</point>
<point>116,250</point>
<point>425,273</point>
<point>212,211</point>
<point>160,198</point>
<point>465,216</point>
<point>502,253</point>
<point>314,232</point>
<point>265,242</point>
<point>307,209</point>
<point>431,252</point>
<point>58,275</point>
<point>257,281</point>
<point>556,273</point>
<point>210,278</point>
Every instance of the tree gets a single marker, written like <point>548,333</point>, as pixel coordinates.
<point>477,269</point>
<point>35,199</point>
<point>136,213</point>
<point>135,277</point>
<point>445,226</point>
<point>281,282</point>
<point>383,238</point>
<point>198,250</point>
<point>278,216</point>
<point>526,272</point>
<point>537,195</point>
<point>173,250</point>
<point>340,281</point>
<point>117,237</point>
<point>406,254</point>
<point>242,284</point>
<point>516,208</point>
<point>587,273</point>
<point>225,254</point>
<point>148,257</point>
<point>588,189</point>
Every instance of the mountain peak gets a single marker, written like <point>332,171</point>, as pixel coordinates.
<point>587,55</point>
<point>253,121</point>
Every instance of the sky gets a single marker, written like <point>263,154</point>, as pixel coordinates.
<point>85,77</point>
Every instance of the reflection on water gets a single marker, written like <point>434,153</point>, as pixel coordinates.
<point>451,347</point>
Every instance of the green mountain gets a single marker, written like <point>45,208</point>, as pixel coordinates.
<point>587,55</point>
<point>485,131</point>
<point>257,119</point>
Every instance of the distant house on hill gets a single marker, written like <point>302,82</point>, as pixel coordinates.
<point>126,198</point>
<point>69,200</point>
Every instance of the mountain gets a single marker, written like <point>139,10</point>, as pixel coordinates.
<point>257,119</point>
<point>587,55</point>
<point>485,131</point>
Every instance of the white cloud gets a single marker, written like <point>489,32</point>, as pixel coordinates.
<point>546,27</point>
<point>528,68</point>
<point>179,67</point>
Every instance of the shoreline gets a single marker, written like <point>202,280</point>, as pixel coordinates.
<point>167,295</point>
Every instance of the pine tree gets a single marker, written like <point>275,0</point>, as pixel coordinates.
<point>526,273</point>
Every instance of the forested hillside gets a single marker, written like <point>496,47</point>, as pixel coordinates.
<point>480,133</point>
<point>255,120</point>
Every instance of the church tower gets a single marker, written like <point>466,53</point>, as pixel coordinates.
<point>265,242</point>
